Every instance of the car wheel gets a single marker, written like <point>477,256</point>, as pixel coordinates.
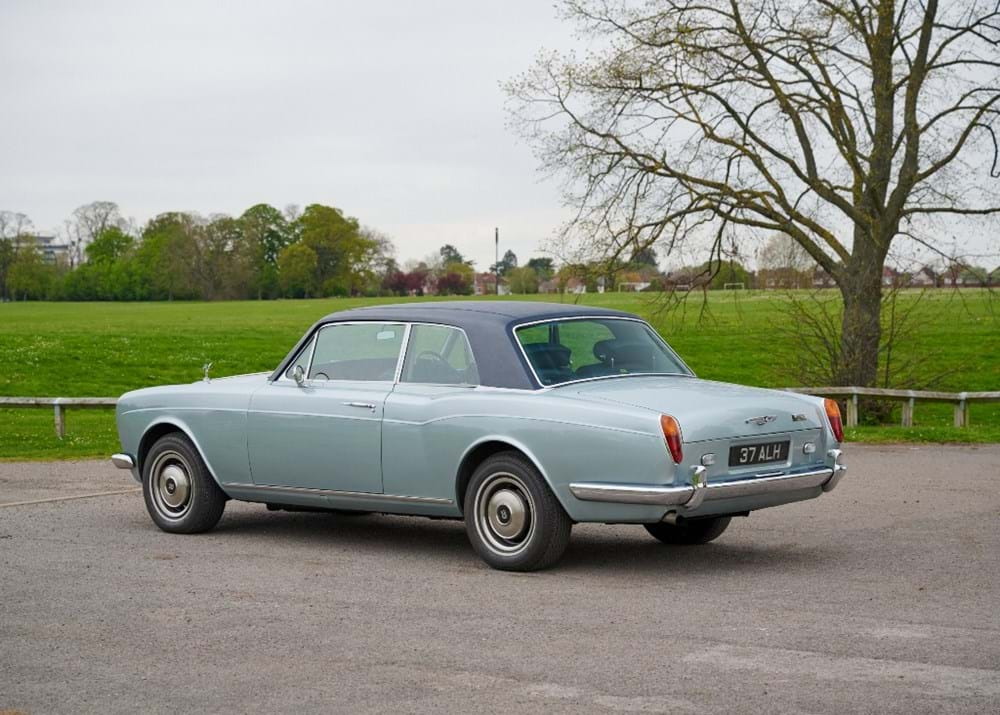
<point>181,496</point>
<point>513,519</point>
<point>689,531</point>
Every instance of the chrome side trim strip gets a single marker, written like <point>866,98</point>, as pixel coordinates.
<point>673,496</point>
<point>367,496</point>
<point>123,461</point>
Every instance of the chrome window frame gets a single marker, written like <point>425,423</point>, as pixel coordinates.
<point>314,340</point>
<point>468,343</point>
<point>310,347</point>
<point>656,336</point>
<point>400,360</point>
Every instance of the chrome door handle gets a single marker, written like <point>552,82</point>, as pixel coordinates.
<point>365,405</point>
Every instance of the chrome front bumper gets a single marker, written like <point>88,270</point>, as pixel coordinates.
<point>691,496</point>
<point>123,461</point>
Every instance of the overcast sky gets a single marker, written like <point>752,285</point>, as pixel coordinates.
<point>390,111</point>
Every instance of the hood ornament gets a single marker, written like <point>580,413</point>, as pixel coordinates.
<point>762,420</point>
<point>206,367</point>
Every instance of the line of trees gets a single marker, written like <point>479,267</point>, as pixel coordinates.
<point>263,253</point>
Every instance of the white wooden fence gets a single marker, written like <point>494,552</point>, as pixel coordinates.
<point>909,398</point>
<point>59,405</point>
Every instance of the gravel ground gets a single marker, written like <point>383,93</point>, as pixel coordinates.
<point>883,596</point>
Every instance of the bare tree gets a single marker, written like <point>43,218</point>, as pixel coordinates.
<point>784,260</point>
<point>845,124</point>
<point>13,225</point>
<point>88,222</point>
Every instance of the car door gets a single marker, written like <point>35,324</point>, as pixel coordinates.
<point>326,433</point>
<point>428,423</point>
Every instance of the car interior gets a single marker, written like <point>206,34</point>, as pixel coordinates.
<point>631,350</point>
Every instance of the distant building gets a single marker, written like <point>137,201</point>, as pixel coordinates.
<point>972,277</point>
<point>549,286</point>
<point>924,278</point>
<point>486,284</point>
<point>892,277</point>
<point>51,250</point>
<point>822,279</point>
<point>576,286</point>
<point>635,281</point>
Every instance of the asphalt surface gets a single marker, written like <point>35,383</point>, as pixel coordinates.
<point>883,596</point>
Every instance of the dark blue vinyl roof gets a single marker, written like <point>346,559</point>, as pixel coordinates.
<point>464,313</point>
<point>488,324</point>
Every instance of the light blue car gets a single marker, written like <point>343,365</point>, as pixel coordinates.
<point>520,418</point>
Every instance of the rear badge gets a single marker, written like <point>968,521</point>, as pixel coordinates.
<point>798,418</point>
<point>762,420</point>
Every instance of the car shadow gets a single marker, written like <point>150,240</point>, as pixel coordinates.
<point>368,532</point>
<point>612,554</point>
<point>593,548</point>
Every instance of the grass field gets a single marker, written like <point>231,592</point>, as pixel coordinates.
<point>104,349</point>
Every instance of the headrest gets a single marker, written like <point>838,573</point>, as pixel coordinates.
<point>623,353</point>
<point>548,355</point>
<point>604,349</point>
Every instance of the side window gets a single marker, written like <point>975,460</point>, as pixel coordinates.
<point>358,351</point>
<point>302,359</point>
<point>439,355</point>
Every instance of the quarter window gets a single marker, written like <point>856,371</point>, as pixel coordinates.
<point>357,351</point>
<point>439,355</point>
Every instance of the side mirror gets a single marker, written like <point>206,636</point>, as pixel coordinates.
<point>300,375</point>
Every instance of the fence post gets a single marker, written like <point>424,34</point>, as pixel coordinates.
<point>961,411</point>
<point>908,407</point>
<point>60,416</point>
<point>852,411</point>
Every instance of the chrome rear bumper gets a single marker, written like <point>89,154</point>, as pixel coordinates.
<point>691,496</point>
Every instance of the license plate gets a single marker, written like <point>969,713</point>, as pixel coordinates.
<point>764,453</point>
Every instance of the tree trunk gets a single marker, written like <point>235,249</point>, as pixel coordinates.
<point>861,329</point>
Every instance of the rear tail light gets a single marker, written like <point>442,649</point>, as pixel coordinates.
<point>833,414</point>
<point>672,434</point>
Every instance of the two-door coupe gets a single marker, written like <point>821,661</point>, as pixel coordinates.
<point>520,418</point>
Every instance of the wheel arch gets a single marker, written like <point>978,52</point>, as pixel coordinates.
<point>164,426</point>
<point>482,450</point>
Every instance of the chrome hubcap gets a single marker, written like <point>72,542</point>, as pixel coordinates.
<point>174,486</point>
<point>171,485</point>
<point>505,513</point>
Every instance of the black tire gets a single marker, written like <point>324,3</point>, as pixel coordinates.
<point>181,496</point>
<point>513,519</point>
<point>689,531</point>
